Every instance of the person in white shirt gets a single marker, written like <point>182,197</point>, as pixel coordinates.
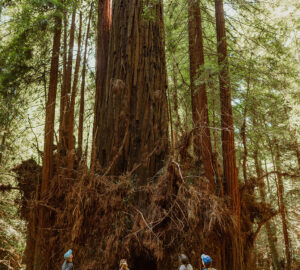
<point>184,263</point>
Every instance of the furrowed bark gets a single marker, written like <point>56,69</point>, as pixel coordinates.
<point>48,159</point>
<point>233,253</point>
<point>134,126</point>
<point>103,39</point>
<point>229,158</point>
<point>202,141</point>
<point>63,84</point>
<point>63,140</point>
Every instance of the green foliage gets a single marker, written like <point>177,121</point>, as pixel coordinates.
<point>264,73</point>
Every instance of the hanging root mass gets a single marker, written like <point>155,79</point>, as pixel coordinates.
<point>106,218</point>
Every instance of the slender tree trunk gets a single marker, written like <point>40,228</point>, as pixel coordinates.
<point>170,121</point>
<point>177,123</point>
<point>3,142</point>
<point>243,132</point>
<point>269,226</point>
<point>63,84</point>
<point>48,166</point>
<point>71,110</point>
<point>134,128</point>
<point>217,168</point>
<point>202,141</point>
<point>282,209</point>
<point>103,37</point>
<point>63,140</point>
<point>234,257</point>
<point>81,110</point>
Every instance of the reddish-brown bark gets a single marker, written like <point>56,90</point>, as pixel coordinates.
<point>229,158</point>
<point>202,141</point>
<point>134,125</point>
<point>47,172</point>
<point>63,139</point>
<point>48,159</point>
<point>103,36</point>
<point>71,105</point>
<point>63,84</point>
<point>233,252</point>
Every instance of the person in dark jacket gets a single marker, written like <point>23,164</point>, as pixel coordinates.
<point>68,264</point>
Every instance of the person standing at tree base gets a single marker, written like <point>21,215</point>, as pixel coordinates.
<point>207,262</point>
<point>184,263</point>
<point>68,264</point>
<point>123,265</point>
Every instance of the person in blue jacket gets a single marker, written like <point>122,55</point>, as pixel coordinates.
<point>68,263</point>
<point>207,262</point>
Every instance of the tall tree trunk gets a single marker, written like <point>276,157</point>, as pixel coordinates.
<point>48,166</point>
<point>170,117</point>
<point>233,258</point>
<point>3,142</point>
<point>217,168</point>
<point>82,89</point>
<point>103,37</point>
<point>282,209</point>
<point>202,142</point>
<point>229,158</point>
<point>71,110</point>
<point>134,125</point>
<point>63,140</point>
<point>243,131</point>
<point>177,122</point>
<point>269,226</point>
<point>63,84</point>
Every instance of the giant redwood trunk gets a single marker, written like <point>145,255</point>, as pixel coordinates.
<point>202,141</point>
<point>40,256</point>
<point>233,257</point>
<point>103,35</point>
<point>133,127</point>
